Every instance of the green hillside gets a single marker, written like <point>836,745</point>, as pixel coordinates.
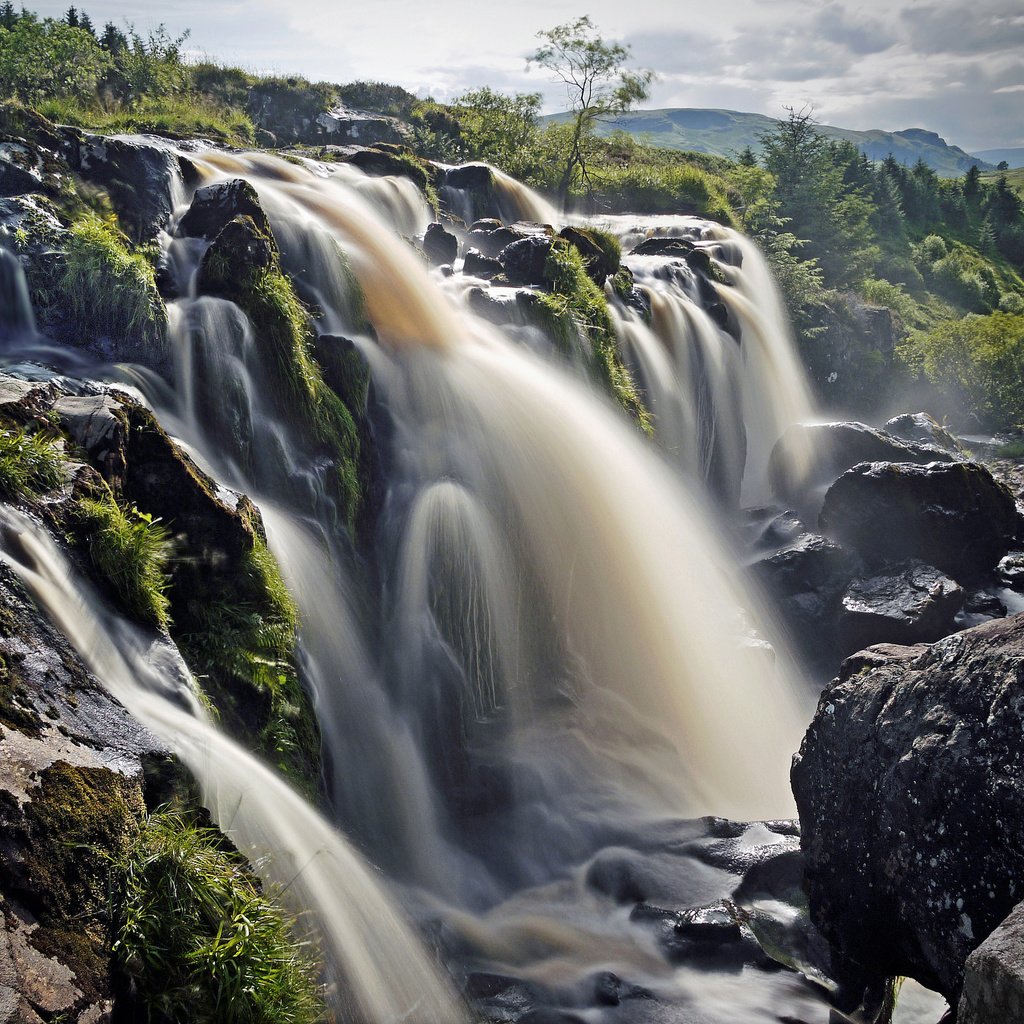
<point>729,132</point>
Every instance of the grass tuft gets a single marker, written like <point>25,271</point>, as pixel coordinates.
<point>29,464</point>
<point>200,940</point>
<point>130,550</point>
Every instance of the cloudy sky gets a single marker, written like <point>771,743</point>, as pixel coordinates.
<point>953,67</point>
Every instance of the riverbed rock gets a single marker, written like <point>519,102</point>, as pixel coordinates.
<point>137,173</point>
<point>953,515</point>
<point>440,246</point>
<point>600,258</point>
<point>993,990</point>
<point>910,603</point>
<point>214,206</point>
<point>910,788</point>
<point>810,456</point>
<point>921,428</point>
<point>476,264</point>
<point>525,260</point>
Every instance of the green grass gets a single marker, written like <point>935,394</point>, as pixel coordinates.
<point>29,464</point>
<point>575,303</point>
<point>176,116</point>
<point>199,939</point>
<point>107,289</point>
<point>130,550</point>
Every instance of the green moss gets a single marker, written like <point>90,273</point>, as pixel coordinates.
<point>29,464</point>
<point>201,941</point>
<point>243,265</point>
<point>107,290</point>
<point>575,303</point>
<point>243,649</point>
<point>130,550</point>
<point>16,709</point>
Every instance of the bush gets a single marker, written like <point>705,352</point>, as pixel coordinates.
<point>130,550</point>
<point>40,59</point>
<point>978,361</point>
<point>29,464</point>
<point>199,939</point>
<point>892,296</point>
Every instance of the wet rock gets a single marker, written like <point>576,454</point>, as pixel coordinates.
<point>476,264</point>
<point>993,990</point>
<point>20,169</point>
<point>237,256</point>
<point>807,577</point>
<point>658,246</point>
<point>924,429</point>
<point>910,604</point>
<point>137,174</point>
<point>384,160</point>
<point>486,224</point>
<point>525,260</point>
<point>954,516</point>
<point>440,246</point>
<point>98,425</point>
<point>981,602</point>
<point>491,241</point>
<point>910,788</point>
<point>600,259</point>
<point>214,206</point>
<point>810,456</point>
<point>1011,568</point>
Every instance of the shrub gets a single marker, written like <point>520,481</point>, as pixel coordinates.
<point>885,293</point>
<point>130,550</point>
<point>29,464</point>
<point>979,361</point>
<point>201,941</point>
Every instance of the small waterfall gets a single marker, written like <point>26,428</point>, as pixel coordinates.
<point>17,321</point>
<point>384,974</point>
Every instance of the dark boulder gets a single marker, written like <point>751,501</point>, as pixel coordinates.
<point>490,241</point>
<point>910,788</point>
<point>238,255</point>
<point>810,456</point>
<point>600,257</point>
<point>951,515</point>
<point>486,224</point>
<point>476,264</point>
<point>20,169</point>
<point>384,160</point>
<point>469,176</point>
<point>658,246</point>
<point>993,990</point>
<point>138,175</point>
<point>911,603</point>
<point>924,429</point>
<point>214,206</point>
<point>525,260</point>
<point>440,246</point>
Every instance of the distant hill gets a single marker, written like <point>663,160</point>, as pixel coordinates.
<point>1014,157</point>
<point>728,132</point>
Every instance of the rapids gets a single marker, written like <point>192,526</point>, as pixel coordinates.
<point>555,659</point>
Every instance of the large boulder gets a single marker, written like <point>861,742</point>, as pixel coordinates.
<point>924,429</point>
<point>810,456</point>
<point>953,515</point>
<point>908,604</point>
<point>525,260</point>
<point>993,990</point>
<point>910,788</point>
<point>440,246</point>
<point>138,174</point>
<point>214,206</point>
<point>600,256</point>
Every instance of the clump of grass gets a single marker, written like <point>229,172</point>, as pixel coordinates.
<point>1012,449</point>
<point>130,550</point>
<point>576,303</point>
<point>109,290</point>
<point>29,464</point>
<point>201,941</point>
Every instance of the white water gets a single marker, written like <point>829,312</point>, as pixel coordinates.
<point>16,317</point>
<point>385,975</point>
<point>557,653</point>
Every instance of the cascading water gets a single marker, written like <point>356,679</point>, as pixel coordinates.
<point>559,655</point>
<point>385,976</point>
<point>16,317</point>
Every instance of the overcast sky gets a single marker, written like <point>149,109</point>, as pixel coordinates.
<point>953,67</point>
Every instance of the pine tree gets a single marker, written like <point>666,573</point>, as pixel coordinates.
<point>71,18</point>
<point>85,22</point>
<point>8,17</point>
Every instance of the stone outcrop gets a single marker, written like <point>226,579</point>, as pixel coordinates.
<point>954,516</point>
<point>910,788</point>
<point>993,990</point>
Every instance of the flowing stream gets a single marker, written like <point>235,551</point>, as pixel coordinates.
<point>555,651</point>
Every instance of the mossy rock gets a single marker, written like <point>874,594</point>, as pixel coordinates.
<point>387,159</point>
<point>214,206</point>
<point>600,251</point>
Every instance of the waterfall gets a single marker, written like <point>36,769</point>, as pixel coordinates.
<point>385,975</point>
<point>16,318</point>
<point>552,650</point>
